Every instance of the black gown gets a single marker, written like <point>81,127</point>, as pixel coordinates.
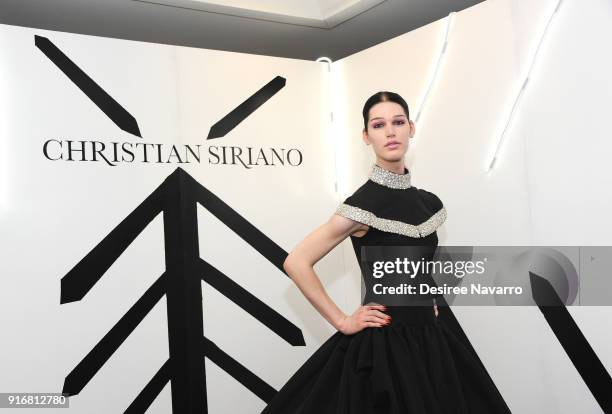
<point>416,364</point>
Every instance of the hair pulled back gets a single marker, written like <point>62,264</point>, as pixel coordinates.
<point>382,96</point>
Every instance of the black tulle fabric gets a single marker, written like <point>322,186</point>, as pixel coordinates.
<point>415,365</point>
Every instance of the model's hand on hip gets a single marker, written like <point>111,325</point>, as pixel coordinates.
<point>366,316</point>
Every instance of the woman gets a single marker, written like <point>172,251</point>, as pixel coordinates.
<point>383,359</point>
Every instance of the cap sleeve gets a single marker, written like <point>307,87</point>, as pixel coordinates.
<point>432,201</point>
<point>358,207</point>
<point>437,209</point>
<point>349,210</point>
<point>436,203</point>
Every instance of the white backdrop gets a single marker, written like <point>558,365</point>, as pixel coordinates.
<point>54,212</point>
<point>548,184</point>
<point>547,187</point>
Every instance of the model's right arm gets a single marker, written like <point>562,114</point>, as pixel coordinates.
<point>299,266</point>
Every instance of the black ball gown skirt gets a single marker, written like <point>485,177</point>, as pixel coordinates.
<point>415,365</point>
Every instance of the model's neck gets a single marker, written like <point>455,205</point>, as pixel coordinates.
<point>396,167</point>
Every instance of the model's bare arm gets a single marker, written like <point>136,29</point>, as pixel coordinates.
<point>299,266</point>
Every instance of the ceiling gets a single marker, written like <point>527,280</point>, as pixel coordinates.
<point>299,29</point>
<point>325,14</point>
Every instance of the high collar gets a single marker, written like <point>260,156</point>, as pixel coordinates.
<point>390,179</point>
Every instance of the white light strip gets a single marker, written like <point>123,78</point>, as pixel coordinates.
<point>520,92</point>
<point>326,60</point>
<point>4,170</point>
<point>437,67</point>
<point>332,137</point>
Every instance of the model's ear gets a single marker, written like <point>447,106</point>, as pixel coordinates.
<point>412,128</point>
<point>365,137</point>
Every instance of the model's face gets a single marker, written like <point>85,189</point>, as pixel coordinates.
<point>388,131</point>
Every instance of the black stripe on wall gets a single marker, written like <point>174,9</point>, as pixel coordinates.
<point>576,346</point>
<point>122,118</point>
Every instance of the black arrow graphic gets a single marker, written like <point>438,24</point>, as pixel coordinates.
<point>177,198</point>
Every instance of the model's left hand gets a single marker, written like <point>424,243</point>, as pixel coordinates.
<point>436,310</point>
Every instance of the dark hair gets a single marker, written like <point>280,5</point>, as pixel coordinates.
<point>382,96</point>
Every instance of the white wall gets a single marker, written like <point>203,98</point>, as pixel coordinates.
<point>52,213</point>
<point>547,187</point>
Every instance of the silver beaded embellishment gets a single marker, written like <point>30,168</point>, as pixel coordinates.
<point>388,178</point>
<point>393,226</point>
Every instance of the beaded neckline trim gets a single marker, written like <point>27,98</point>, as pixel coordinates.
<point>393,226</point>
<point>390,179</point>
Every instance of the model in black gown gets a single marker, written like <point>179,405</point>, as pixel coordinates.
<point>415,365</point>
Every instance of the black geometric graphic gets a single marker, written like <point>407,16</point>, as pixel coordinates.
<point>177,198</point>
<point>576,346</point>
<point>122,118</point>
<point>238,114</point>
